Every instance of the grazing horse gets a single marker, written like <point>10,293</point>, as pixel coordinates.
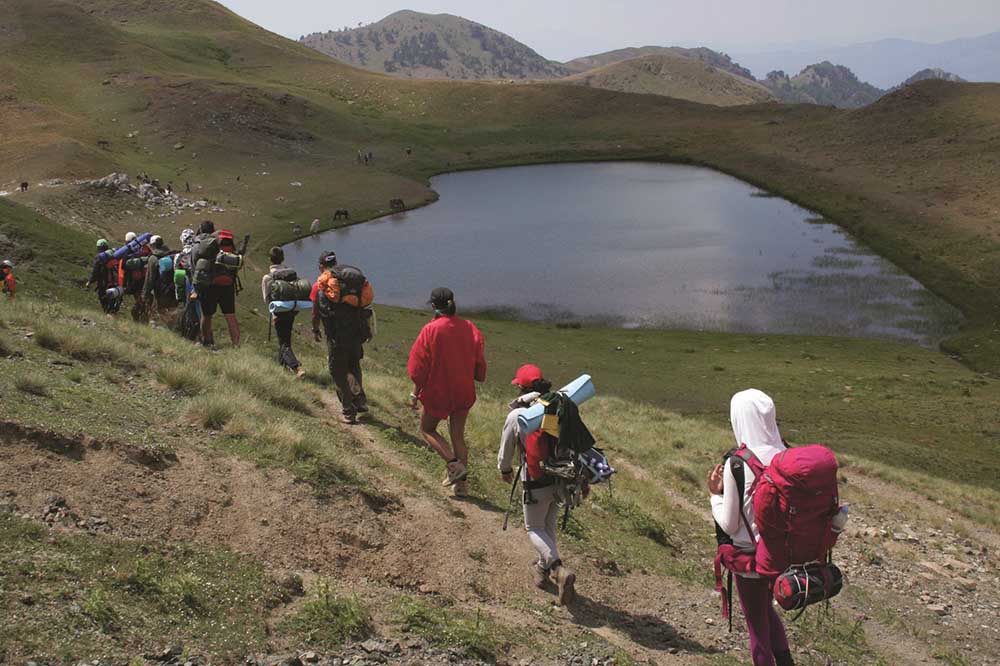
<point>24,186</point>
<point>397,204</point>
<point>341,214</point>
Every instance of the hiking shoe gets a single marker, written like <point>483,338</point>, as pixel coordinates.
<point>456,472</point>
<point>300,372</point>
<point>461,489</point>
<point>565,579</point>
<point>539,576</point>
<point>349,419</point>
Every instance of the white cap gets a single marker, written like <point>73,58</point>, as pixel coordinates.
<point>129,237</point>
<point>155,240</point>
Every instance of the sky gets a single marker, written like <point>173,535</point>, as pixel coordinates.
<point>566,29</point>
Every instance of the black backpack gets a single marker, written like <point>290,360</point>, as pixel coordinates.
<point>352,281</point>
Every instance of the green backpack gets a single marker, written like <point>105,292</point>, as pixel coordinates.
<point>287,286</point>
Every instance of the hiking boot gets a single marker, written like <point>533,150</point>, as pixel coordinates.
<point>783,659</point>
<point>349,419</point>
<point>539,576</point>
<point>565,579</point>
<point>456,472</point>
<point>300,372</point>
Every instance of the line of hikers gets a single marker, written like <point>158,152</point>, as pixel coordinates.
<point>776,508</point>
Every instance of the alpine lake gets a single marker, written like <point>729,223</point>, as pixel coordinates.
<point>633,244</point>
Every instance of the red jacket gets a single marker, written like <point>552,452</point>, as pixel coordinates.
<point>445,361</point>
<point>9,284</point>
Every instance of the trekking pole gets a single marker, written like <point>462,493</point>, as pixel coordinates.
<point>510,503</point>
<point>270,323</point>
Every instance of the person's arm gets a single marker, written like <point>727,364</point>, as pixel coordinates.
<point>418,365</point>
<point>510,440</point>
<point>480,372</point>
<point>314,297</point>
<point>95,271</point>
<point>265,288</point>
<point>726,507</point>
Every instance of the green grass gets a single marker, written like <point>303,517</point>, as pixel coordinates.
<point>327,620</point>
<point>475,635</point>
<point>96,595</point>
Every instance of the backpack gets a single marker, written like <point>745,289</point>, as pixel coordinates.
<point>794,505</point>
<point>343,285</point>
<point>287,286</point>
<point>165,287</point>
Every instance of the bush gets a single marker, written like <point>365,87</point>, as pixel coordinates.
<point>328,620</point>
<point>31,386</point>
<point>213,412</point>
<point>99,608</point>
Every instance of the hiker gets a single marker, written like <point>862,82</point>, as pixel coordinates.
<point>132,276</point>
<point>283,321</point>
<point>541,499</point>
<point>7,281</point>
<point>215,286</point>
<point>752,416</point>
<point>158,290</point>
<point>104,276</point>
<point>445,361</point>
<point>314,227</point>
<point>341,298</point>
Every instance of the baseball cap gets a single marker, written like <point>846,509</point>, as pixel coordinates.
<point>441,298</point>
<point>527,375</point>
<point>328,258</point>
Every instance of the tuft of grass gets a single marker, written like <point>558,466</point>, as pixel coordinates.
<point>31,386</point>
<point>182,379</point>
<point>264,380</point>
<point>446,627</point>
<point>100,608</point>
<point>213,412</point>
<point>329,620</point>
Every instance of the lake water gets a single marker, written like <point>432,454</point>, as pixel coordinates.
<point>633,245</point>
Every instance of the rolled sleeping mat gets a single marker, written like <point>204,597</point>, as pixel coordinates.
<point>229,260</point>
<point>580,390</point>
<point>114,293</point>
<point>132,247</point>
<point>275,307</point>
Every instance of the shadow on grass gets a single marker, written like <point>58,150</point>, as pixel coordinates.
<point>648,631</point>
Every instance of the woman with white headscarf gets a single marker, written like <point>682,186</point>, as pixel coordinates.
<point>755,425</point>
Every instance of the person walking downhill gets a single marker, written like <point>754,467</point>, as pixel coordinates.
<point>219,293</point>
<point>445,361</point>
<point>7,282</point>
<point>341,298</point>
<point>540,499</point>
<point>752,415</point>
<point>283,321</point>
<point>104,277</point>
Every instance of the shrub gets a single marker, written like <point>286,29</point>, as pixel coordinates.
<point>99,608</point>
<point>328,620</point>
<point>31,386</point>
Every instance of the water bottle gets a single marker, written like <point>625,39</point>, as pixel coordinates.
<point>840,520</point>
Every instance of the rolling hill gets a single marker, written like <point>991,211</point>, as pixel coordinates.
<point>714,58</point>
<point>413,44</point>
<point>676,76</point>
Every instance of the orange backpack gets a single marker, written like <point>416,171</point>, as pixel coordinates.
<point>346,285</point>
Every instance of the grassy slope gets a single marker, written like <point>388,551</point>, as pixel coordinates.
<point>674,76</point>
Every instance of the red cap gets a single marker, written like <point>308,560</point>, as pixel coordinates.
<point>527,375</point>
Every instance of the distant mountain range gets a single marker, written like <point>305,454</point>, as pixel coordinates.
<point>413,44</point>
<point>887,62</point>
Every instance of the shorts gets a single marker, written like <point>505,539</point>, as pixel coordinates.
<point>221,297</point>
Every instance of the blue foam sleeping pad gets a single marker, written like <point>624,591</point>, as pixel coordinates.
<point>580,390</point>
<point>288,306</point>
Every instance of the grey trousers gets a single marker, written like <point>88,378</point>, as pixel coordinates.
<point>541,520</point>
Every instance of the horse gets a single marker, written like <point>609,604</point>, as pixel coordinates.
<point>24,186</point>
<point>341,214</point>
<point>397,204</point>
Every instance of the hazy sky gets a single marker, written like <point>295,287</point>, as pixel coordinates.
<point>565,29</point>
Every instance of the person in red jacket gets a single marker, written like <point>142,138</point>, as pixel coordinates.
<point>446,360</point>
<point>7,282</point>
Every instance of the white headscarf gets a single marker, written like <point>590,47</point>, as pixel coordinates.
<point>752,416</point>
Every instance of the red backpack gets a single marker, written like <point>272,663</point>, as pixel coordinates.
<point>794,504</point>
<point>538,446</point>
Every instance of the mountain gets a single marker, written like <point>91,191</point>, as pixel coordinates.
<point>887,62</point>
<point>418,45</point>
<point>933,73</point>
<point>823,83</point>
<point>673,75</point>
<point>706,55</point>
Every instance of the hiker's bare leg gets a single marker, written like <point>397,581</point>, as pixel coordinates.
<point>428,430</point>
<point>456,428</point>
<point>234,329</point>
